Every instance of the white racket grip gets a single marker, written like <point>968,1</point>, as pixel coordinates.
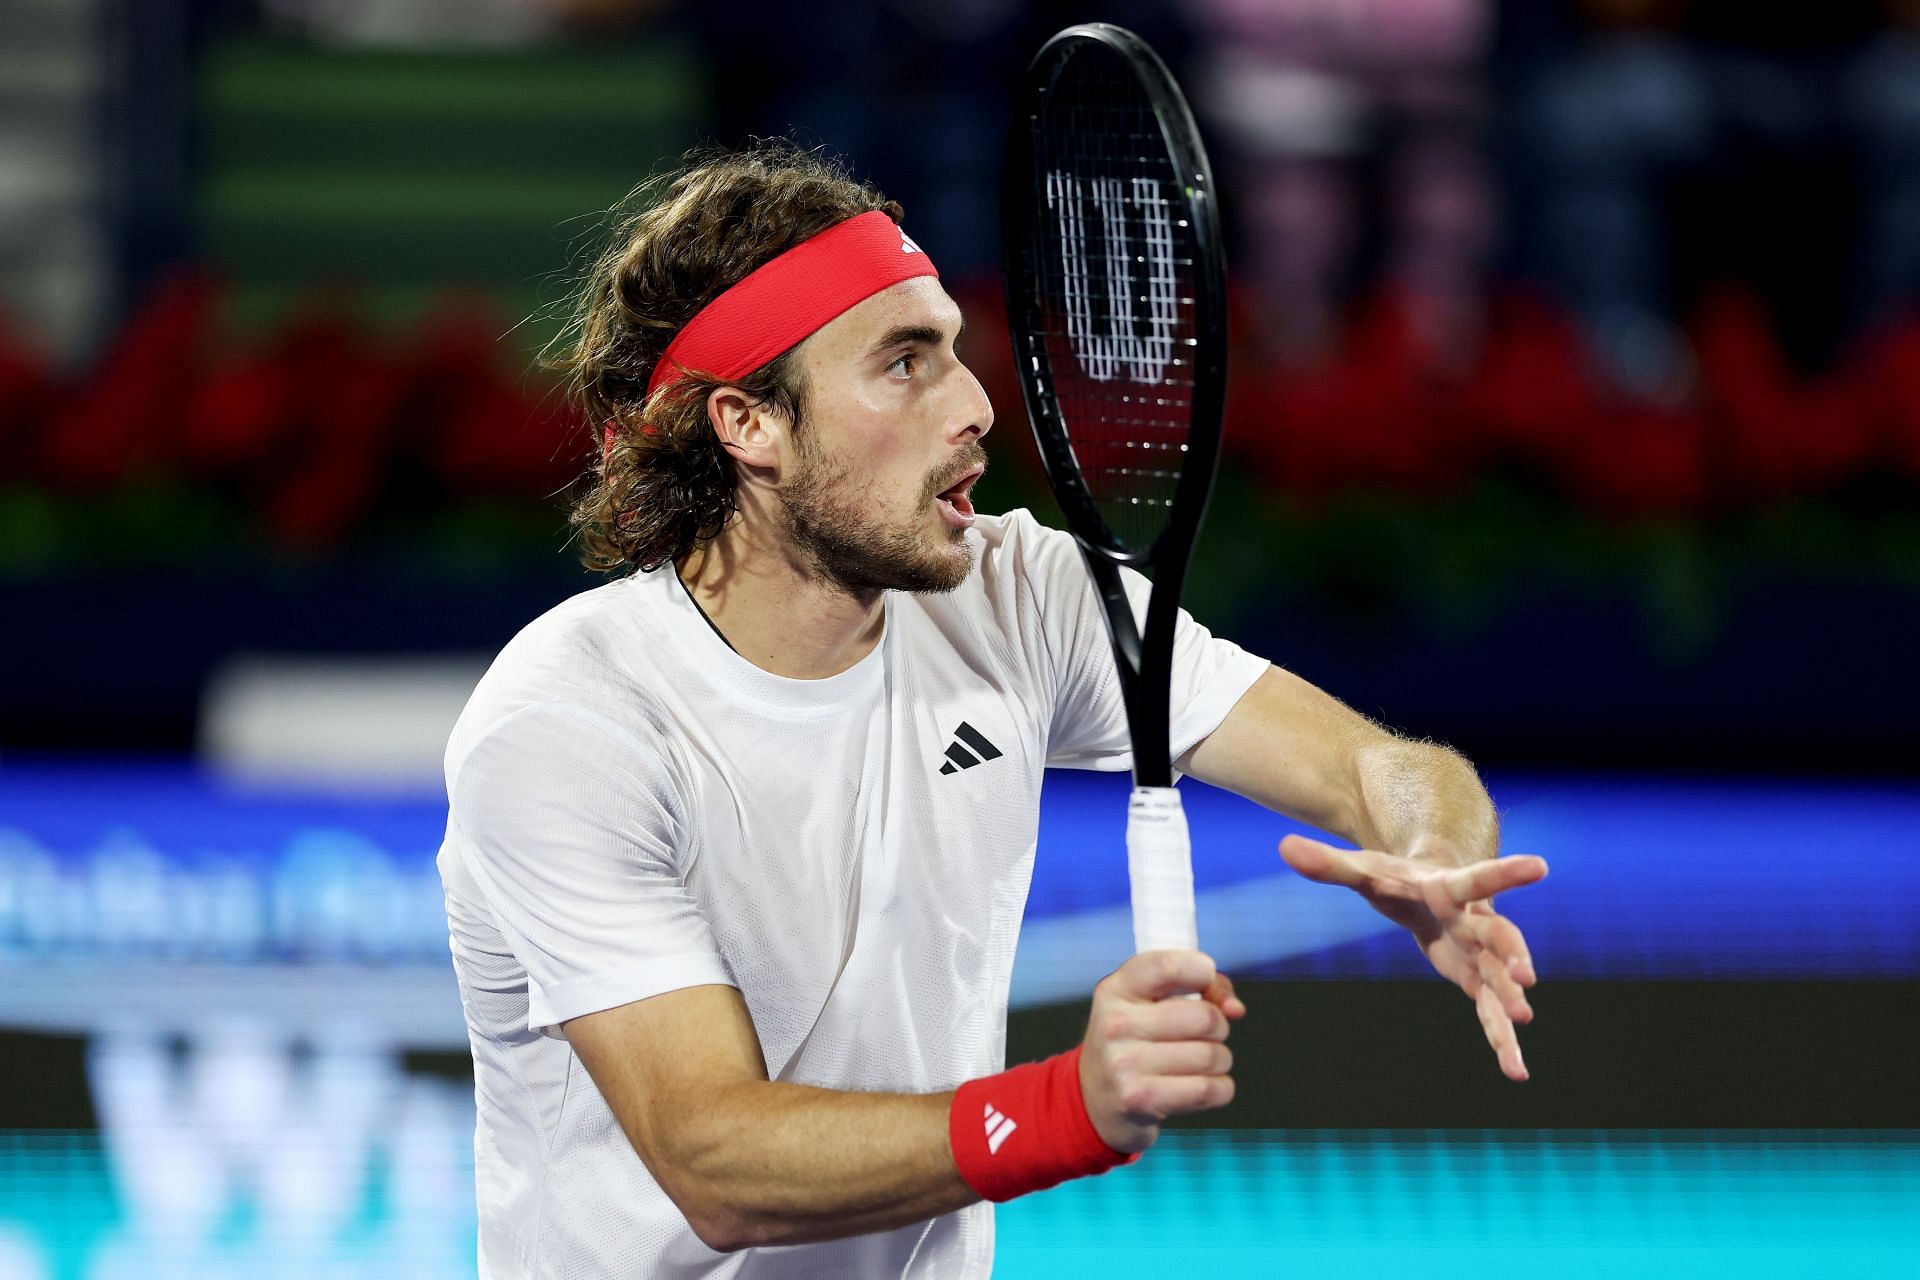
<point>1160,865</point>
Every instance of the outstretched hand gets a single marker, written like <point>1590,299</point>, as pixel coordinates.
<point>1448,910</point>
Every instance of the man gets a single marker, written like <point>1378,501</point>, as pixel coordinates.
<point>733,949</point>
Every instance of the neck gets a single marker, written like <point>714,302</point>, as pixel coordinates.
<point>772,605</point>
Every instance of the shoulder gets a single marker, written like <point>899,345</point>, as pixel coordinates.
<point>1012,529</point>
<point>1017,545</point>
<point>591,622</point>
<point>580,646</point>
<point>1023,567</point>
<point>573,662</point>
<point>1021,570</point>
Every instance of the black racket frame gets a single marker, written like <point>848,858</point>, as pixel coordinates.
<point>1144,656</point>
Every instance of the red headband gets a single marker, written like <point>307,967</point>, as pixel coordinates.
<point>791,297</point>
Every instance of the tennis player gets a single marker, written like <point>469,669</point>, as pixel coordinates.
<point>739,843</point>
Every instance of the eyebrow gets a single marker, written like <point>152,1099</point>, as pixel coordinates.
<point>923,334</point>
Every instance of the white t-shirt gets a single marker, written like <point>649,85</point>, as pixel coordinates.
<point>634,808</point>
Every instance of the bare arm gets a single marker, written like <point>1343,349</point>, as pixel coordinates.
<point>750,1161</point>
<point>1302,752</point>
<point>1422,820</point>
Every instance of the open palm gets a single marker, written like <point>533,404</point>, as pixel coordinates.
<point>1448,910</point>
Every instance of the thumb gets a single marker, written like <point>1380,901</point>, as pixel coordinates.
<point>1155,975</point>
<point>1322,863</point>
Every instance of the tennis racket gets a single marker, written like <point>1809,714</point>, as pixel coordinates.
<point>1116,298</point>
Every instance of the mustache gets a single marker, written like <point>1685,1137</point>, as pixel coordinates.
<point>974,455</point>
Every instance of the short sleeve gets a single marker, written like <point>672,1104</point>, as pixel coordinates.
<point>574,833</point>
<point>1089,728</point>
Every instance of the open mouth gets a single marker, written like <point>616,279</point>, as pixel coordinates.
<point>956,507</point>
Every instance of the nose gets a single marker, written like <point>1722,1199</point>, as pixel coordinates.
<point>975,413</point>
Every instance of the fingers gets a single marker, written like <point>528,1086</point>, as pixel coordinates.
<point>1322,862</point>
<point>1489,981</point>
<point>1478,881</point>
<point>1495,977</point>
<point>1155,975</point>
<point>1392,886</point>
<point>1179,1058</point>
<point>1161,1020</point>
<point>1378,872</point>
<point>1219,993</point>
<point>1155,1082</point>
<point>1158,975</point>
<point>1518,956</point>
<point>1163,1097</point>
<point>1449,911</point>
<point>1148,1056</point>
<point>1502,937</point>
<point>1473,953</point>
<point>1459,968</point>
<point>1500,1034</point>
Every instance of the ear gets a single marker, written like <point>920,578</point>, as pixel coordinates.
<point>754,434</point>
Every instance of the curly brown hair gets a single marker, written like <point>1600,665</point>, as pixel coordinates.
<point>678,241</point>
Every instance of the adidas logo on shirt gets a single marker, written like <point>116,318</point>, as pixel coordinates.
<point>998,1127</point>
<point>960,757</point>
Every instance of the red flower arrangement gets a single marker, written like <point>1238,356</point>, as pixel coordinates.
<point>320,428</point>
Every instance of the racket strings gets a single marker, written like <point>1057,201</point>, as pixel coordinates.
<point>1112,286</point>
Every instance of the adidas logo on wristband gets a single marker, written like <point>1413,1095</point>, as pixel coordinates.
<point>1060,1141</point>
<point>998,1127</point>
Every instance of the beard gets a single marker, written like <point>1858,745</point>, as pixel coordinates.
<point>850,548</point>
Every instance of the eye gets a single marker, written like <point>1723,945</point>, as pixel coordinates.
<point>905,364</point>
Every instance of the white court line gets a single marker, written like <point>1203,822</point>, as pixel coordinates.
<point>1241,925</point>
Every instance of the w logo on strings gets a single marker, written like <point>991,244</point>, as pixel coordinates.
<point>1093,306</point>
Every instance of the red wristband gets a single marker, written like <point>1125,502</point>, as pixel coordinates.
<point>1027,1129</point>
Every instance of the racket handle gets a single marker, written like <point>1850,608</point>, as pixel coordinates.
<point>1160,865</point>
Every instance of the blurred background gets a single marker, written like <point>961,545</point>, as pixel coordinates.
<point>1575,421</point>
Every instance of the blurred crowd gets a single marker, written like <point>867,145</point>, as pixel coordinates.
<point>1662,253</point>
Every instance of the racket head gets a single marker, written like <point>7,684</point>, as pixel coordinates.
<point>1116,291</point>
